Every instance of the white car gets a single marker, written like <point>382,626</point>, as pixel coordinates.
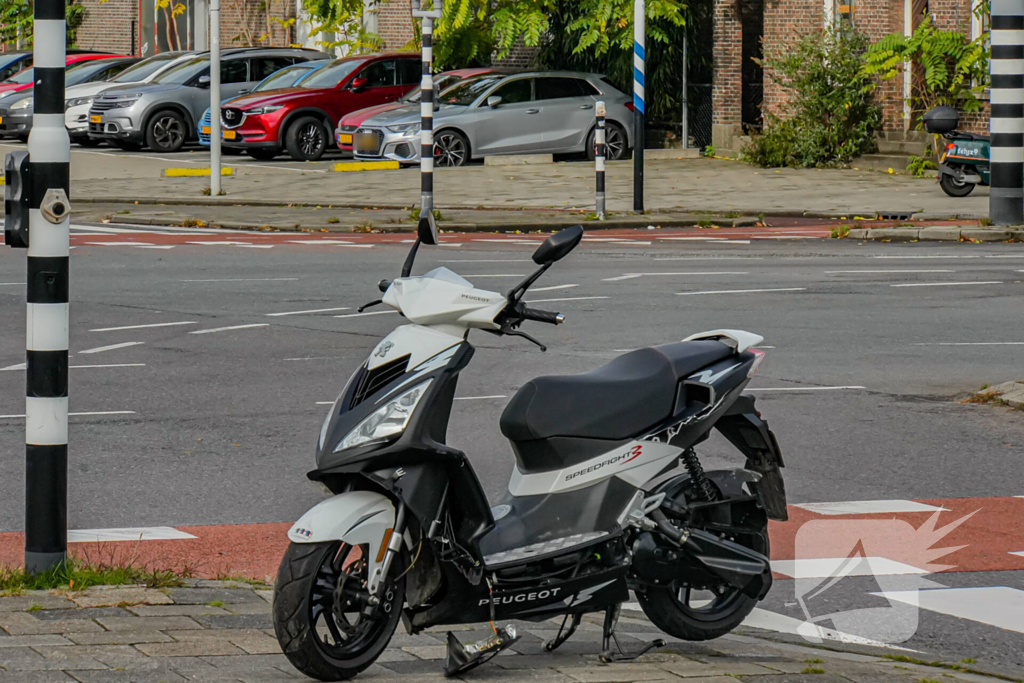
<point>78,98</point>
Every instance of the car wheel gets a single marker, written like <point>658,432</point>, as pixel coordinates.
<point>262,154</point>
<point>166,131</point>
<point>306,139</point>
<point>127,146</point>
<point>615,145</point>
<point>450,148</point>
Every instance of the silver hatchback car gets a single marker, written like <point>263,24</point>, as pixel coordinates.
<point>541,112</point>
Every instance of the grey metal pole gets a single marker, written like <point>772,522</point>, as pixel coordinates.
<point>599,154</point>
<point>639,55</point>
<point>46,402</point>
<point>1006,196</point>
<point>215,98</point>
<point>686,97</point>
<point>427,106</point>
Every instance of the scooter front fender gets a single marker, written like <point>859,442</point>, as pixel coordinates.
<point>355,518</point>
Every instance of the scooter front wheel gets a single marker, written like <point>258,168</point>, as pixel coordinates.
<point>320,598</point>
<point>953,187</point>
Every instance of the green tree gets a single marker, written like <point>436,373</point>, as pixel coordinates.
<point>16,21</point>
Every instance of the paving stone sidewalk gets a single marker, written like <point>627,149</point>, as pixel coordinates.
<point>221,631</point>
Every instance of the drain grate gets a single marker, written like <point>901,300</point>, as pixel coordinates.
<point>894,215</point>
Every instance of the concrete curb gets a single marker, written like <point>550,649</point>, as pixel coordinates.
<point>951,233</point>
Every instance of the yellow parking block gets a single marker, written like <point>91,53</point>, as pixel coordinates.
<point>194,172</point>
<point>366,165</point>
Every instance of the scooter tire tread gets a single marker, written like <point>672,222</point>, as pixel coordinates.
<point>291,604</point>
<point>658,605</point>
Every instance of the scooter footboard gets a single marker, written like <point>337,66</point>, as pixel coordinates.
<point>743,427</point>
<point>355,518</point>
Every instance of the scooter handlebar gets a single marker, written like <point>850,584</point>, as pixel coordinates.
<point>542,316</point>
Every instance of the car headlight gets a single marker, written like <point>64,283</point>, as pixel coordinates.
<point>123,103</point>
<point>392,418</point>
<point>263,110</point>
<point>78,102</point>
<point>23,104</point>
<point>404,128</point>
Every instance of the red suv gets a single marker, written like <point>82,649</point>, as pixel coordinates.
<point>301,120</point>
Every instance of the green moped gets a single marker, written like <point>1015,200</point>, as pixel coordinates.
<point>964,158</point>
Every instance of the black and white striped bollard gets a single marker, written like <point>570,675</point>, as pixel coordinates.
<point>599,155</point>
<point>46,402</point>
<point>1006,196</point>
<point>427,107</point>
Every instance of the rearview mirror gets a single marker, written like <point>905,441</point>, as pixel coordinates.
<point>427,228</point>
<point>204,82</point>
<point>493,101</point>
<point>359,84</point>
<point>558,245</point>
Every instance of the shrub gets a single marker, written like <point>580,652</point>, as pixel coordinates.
<point>832,115</point>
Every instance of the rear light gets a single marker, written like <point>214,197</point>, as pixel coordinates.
<point>630,106</point>
<point>758,357</point>
<point>951,145</point>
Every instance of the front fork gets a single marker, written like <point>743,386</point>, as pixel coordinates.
<point>378,584</point>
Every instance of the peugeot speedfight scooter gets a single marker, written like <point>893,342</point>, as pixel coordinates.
<point>607,494</point>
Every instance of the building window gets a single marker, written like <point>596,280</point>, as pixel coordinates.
<point>839,13</point>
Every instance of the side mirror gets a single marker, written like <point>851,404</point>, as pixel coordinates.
<point>558,245</point>
<point>203,82</point>
<point>427,229</point>
<point>358,84</point>
<point>494,101</point>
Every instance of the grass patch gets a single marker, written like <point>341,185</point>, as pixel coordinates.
<point>333,220</point>
<point>192,223</point>
<point>814,661</point>
<point>992,398</point>
<point>414,214</point>
<point>215,603</point>
<point>76,574</point>
<point>839,231</point>
<point>813,670</point>
<point>968,660</point>
<point>985,221</point>
<point>35,607</point>
<point>945,665</point>
<point>255,583</point>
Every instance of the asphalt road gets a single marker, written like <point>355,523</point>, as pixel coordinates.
<point>870,348</point>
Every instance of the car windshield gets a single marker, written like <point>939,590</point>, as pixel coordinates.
<point>466,92</point>
<point>184,72</point>
<point>29,74</point>
<point>441,82</point>
<point>144,69</point>
<point>332,75</point>
<point>24,76</point>
<point>285,78</point>
<point>9,58</point>
<point>84,71</point>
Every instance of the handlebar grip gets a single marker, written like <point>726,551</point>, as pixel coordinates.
<point>543,316</point>
<point>383,285</point>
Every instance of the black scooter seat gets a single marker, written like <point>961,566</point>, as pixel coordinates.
<point>616,401</point>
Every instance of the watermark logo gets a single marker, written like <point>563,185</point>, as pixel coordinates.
<point>883,561</point>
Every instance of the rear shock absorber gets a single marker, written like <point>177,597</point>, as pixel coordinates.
<point>700,480</point>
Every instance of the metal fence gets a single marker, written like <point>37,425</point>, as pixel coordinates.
<point>698,97</point>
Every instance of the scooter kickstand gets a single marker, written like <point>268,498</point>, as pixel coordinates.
<point>611,618</point>
<point>564,634</point>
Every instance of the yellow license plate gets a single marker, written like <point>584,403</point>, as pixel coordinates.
<point>229,135</point>
<point>344,138</point>
<point>206,130</point>
<point>95,118</point>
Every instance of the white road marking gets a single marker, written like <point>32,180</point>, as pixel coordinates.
<point>255,246</point>
<point>21,366</point>
<point>221,243</point>
<point>889,271</point>
<point>780,623</point>
<point>799,388</point>
<point>11,284</point>
<point>478,275</point>
<point>140,327</point>
<point>156,246</point>
<point>248,279</point>
<point>946,284</point>
<point>572,298</point>
<point>551,288</point>
<point>929,256</point>
<point>359,315</point>
<point>695,239</point>
<point>152,533</point>
<point>710,258</point>
<point>489,260</point>
<point>16,366</point>
<point>478,398</point>
<point>318,358</point>
<point>865,507</point>
<point>630,276</point>
<point>510,241</point>
<point>1018,553</point>
<point>825,567</point>
<point>101,412</point>
<point>123,345</point>
<point>120,244</point>
<point>232,327</point>
<point>325,403</point>
<point>319,242</point>
<point>998,606</point>
<point>313,310</point>
<point>1014,343</point>
<point>744,291</point>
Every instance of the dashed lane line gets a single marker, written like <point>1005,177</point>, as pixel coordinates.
<point>1008,343</point>
<point>309,312</point>
<point>123,345</point>
<point>836,272</point>
<point>248,279</point>
<point>571,298</point>
<point>89,414</point>
<point>21,366</point>
<point>842,388</point>
<point>228,329</point>
<point>141,327</point>
<point>947,284</point>
<point>551,288</point>
<point>744,291</point>
<point>479,398</point>
<point>360,315</point>
<point>633,276</point>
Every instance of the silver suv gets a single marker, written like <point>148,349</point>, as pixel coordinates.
<point>162,114</point>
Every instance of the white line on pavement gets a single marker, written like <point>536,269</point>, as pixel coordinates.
<point>21,366</point>
<point>325,403</point>
<point>467,276</point>
<point>551,288</point>
<point>313,310</point>
<point>155,246</point>
<point>232,327</point>
<point>630,276</point>
<point>153,533</point>
<point>744,291</point>
<point>837,567</point>
<point>571,298</point>
<point>489,260</point>
<point>140,327</point>
<point>801,388</point>
<point>478,398</point>
<point>889,271</point>
<point>120,244</point>
<point>510,241</point>
<point>946,284</point>
<point>319,242</point>
<point>100,349</point>
<point>16,366</point>
<point>710,258</point>
<point>248,279</point>
<point>359,315</point>
<point>11,284</point>
<point>929,256</point>
<point>255,246</point>
<point>999,606</point>
<point>865,507</point>
<point>100,412</point>
<point>1014,343</point>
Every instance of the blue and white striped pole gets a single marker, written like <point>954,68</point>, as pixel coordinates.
<point>46,368</point>
<point>639,55</point>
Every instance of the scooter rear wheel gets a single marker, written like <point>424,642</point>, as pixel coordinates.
<point>954,188</point>
<point>318,598</point>
<point>683,611</point>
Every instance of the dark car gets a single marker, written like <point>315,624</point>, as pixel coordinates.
<point>301,120</point>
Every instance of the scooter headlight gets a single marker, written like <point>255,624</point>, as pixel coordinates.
<point>390,419</point>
